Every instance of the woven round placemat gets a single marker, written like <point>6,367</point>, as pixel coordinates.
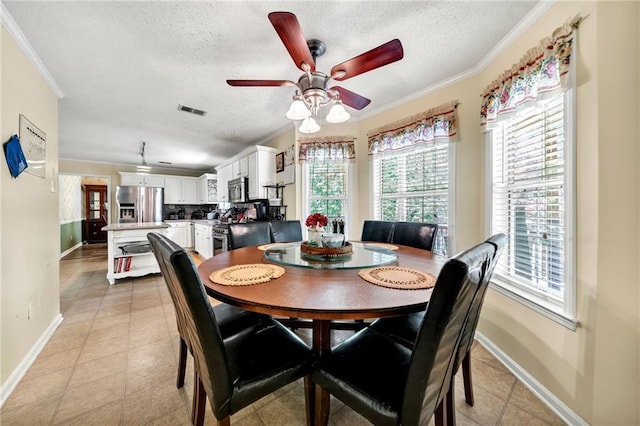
<point>381,245</point>
<point>398,277</point>
<point>252,273</point>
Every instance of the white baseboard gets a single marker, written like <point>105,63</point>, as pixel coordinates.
<point>66,252</point>
<point>12,381</point>
<point>549,399</point>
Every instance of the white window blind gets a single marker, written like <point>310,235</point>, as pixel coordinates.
<point>413,186</point>
<point>529,196</point>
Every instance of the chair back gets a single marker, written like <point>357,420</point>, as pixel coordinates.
<point>498,241</point>
<point>415,234</point>
<point>193,310</point>
<point>283,231</point>
<point>249,234</point>
<point>431,365</point>
<point>377,230</point>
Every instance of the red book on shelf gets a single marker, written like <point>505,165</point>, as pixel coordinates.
<point>127,263</point>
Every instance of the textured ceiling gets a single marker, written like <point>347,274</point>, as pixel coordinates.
<point>125,66</point>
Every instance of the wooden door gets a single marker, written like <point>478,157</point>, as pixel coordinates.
<point>95,198</point>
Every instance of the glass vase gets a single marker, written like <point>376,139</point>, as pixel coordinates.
<point>315,237</point>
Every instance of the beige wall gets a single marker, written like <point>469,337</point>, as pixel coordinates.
<point>30,242</point>
<point>593,370</point>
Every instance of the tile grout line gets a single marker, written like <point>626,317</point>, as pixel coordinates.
<point>506,402</point>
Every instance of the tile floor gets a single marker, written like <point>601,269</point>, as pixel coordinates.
<point>112,361</point>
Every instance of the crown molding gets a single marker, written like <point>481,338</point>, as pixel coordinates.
<point>15,32</point>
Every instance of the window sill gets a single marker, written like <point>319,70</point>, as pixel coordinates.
<point>540,306</point>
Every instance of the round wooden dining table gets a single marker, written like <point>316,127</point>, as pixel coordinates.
<point>319,294</point>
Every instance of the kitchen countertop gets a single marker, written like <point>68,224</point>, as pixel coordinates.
<point>129,226</point>
<point>205,221</point>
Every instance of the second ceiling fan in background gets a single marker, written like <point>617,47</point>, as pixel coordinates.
<point>312,92</point>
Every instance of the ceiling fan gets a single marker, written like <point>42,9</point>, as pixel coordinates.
<point>312,92</point>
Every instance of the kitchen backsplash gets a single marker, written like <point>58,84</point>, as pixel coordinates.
<point>174,209</point>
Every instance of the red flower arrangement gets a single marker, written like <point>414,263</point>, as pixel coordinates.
<point>316,219</point>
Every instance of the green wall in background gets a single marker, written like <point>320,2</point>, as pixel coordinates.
<point>70,235</point>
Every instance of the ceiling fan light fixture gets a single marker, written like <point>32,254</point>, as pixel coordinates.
<point>309,125</point>
<point>337,113</point>
<point>298,110</point>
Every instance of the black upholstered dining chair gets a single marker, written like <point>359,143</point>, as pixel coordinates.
<point>389,383</point>
<point>231,320</point>
<point>283,231</point>
<point>377,230</point>
<point>249,234</point>
<point>233,372</point>
<point>415,234</point>
<point>404,329</point>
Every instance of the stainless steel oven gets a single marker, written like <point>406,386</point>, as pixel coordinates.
<point>220,239</point>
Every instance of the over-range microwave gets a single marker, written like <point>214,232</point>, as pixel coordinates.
<point>238,190</point>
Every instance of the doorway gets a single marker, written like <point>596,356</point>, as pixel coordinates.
<point>95,211</point>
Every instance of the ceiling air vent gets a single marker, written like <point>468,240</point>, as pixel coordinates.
<point>192,110</point>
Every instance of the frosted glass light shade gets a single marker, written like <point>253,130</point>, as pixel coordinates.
<point>309,125</point>
<point>298,111</point>
<point>337,113</point>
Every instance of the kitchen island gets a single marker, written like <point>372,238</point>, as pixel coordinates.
<point>128,249</point>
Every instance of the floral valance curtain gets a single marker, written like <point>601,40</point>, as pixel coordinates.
<point>329,148</point>
<point>543,70</point>
<point>439,123</point>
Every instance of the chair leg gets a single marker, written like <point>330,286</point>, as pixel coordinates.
<point>182,363</point>
<point>450,399</point>
<point>466,375</point>
<point>199,401</point>
<point>225,422</point>
<point>441,414</point>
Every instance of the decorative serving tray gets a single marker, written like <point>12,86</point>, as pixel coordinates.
<point>325,253</point>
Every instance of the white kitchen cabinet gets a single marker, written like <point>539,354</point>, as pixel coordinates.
<point>239,168</point>
<point>139,179</point>
<point>224,174</point>
<point>181,190</point>
<point>180,233</point>
<point>208,189</point>
<point>262,171</point>
<point>189,235</point>
<point>203,240</point>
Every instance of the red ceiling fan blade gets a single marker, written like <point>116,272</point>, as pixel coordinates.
<point>350,98</point>
<point>375,58</point>
<point>248,83</point>
<point>290,32</point>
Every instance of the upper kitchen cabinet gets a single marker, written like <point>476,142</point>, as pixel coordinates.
<point>239,168</point>
<point>257,163</point>
<point>208,189</point>
<point>139,179</point>
<point>223,177</point>
<point>181,190</point>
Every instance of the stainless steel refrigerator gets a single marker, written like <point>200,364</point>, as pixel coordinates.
<point>138,204</point>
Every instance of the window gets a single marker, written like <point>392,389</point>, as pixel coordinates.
<point>413,186</point>
<point>532,202</point>
<point>327,188</point>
